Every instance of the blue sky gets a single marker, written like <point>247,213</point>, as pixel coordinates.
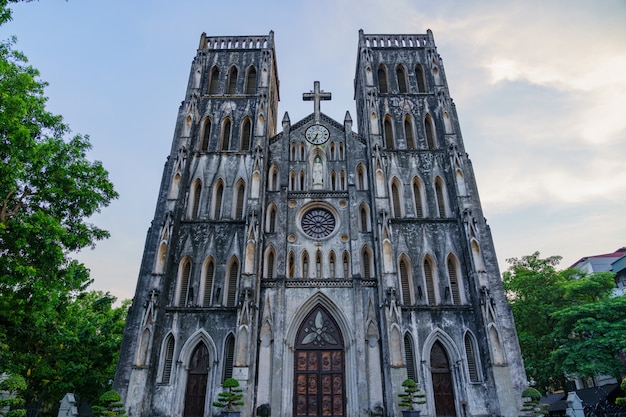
<point>540,90</point>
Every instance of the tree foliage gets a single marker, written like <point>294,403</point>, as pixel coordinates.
<point>566,320</point>
<point>111,405</point>
<point>13,386</point>
<point>51,331</point>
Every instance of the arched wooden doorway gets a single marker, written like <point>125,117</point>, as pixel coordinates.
<point>443,387</point>
<point>195,394</point>
<point>319,370</point>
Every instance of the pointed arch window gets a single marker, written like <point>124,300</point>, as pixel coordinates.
<point>363,218</point>
<point>229,356</point>
<point>454,280</point>
<point>302,181</point>
<point>274,179</point>
<point>183,286</point>
<point>318,265</point>
<point>270,264</point>
<point>271,226</point>
<point>408,133</point>
<point>367,266</point>
<point>292,152</point>
<point>417,198</point>
<point>302,151</point>
<point>305,265</point>
<point>331,264</point>
<point>383,87</point>
<point>197,190</point>
<point>246,134</point>
<point>342,180</point>
<point>472,360</point>
<point>419,75</point>
<point>401,75</point>
<point>395,199</point>
<point>217,200</point>
<point>292,181</point>
<point>232,80</point>
<point>360,177</point>
<point>430,283</point>
<point>332,151</point>
<point>389,140</point>
<point>430,132</point>
<point>291,265</point>
<point>441,202</point>
<point>239,201</point>
<point>168,361</point>
<point>233,274</point>
<point>226,127</point>
<point>206,135</point>
<point>346,265</point>
<point>251,81</point>
<point>214,81</point>
<point>208,283</point>
<point>405,282</point>
<point>333,180</point>
<point>409,357</point>
<point>342,153</point>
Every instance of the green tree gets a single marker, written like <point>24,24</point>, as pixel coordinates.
<point>548,304</point>
<point>48,190</point>
<point>13,385</point>
<point>110,405</point>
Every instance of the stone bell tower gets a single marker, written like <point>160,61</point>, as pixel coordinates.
<point>319,266</point>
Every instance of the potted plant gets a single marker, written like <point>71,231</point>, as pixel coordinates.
<point>229,398</point>
<point>411,398</point>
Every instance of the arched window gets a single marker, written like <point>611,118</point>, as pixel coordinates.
<point>214,81</point>
<point>405,282</point>
<point>229,356</point>
<point>168,361</point>
<point>302,181</point>
<point>292,152</point>
<point>408,133</point>
<point>331,264</point>
<point>292,181</point>
<point>332,151</point>
<point>366,263</point>
<point>454,280</point>
<point>245,134</point>
<point>417,198</point>
<point>441,202</point>
<point>183,283</point>
<point>421,81</point>
<point>233,274</point>
<point>395,199</point>
<point>363,218</point>
<point>206,135</point>
<point>409,357</point>
<point>251,81</point>
<point>232,80</point>
<point>195,205</point>
<point>239,200</point>
<point>217,200</point>
<point>291,265</point>
<point>342,154</point>
<point>271,259</point>
<point>346,265</point>
<point>430,132</point>
<point>472,360</point>
<point>271,224</point>
<point>360,178</point>
<point>382,80</point>
<point>401,75</point>
<point>430,282</point>
<point>305,265</point>
<point>209,273</point>
<point>302,151</point>
<point>342,180</point>
<point>389,141</point>
<point>318,265</point>
<point>333,180</point>
<point>274,179</point>
<point>225,143</point>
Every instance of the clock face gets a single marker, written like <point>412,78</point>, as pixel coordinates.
<point>317,134</point>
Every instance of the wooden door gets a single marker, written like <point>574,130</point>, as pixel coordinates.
<point>443,387</point>
<point>319,383</point>
<point>195,394</point>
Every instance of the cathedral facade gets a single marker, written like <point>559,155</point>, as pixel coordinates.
<point>317,265</point>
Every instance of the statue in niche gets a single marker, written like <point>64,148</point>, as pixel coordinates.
<point>318,169</point>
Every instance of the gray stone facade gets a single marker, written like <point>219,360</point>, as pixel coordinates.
<point>319,266</point>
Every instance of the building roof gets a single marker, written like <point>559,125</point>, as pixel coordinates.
<point>617,254</point>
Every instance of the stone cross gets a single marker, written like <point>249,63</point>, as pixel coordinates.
<point>316,95</point>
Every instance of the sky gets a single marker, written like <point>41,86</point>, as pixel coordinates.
<point>539,87</point>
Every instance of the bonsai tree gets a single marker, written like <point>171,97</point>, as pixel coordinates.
<point>110,405</point>
<point>412,395</point>
<point>13,385</point>
<point>231,396</point>
<point>532,407</point>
